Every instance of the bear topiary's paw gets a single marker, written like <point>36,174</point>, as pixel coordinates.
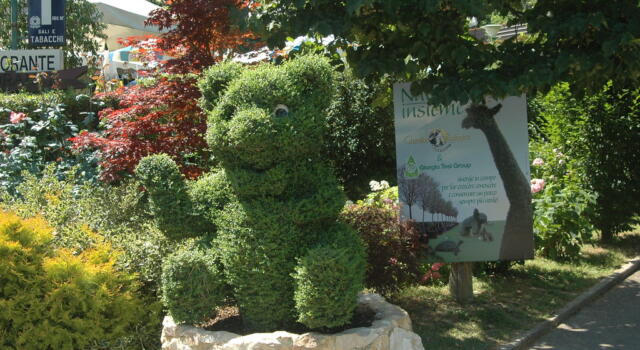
<point>328,280</point>
<point>193,285</point>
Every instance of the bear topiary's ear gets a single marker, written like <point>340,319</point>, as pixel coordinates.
<point>313,75</point>
<point>214,82</point>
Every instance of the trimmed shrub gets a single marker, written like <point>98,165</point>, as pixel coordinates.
<point>196,301</point>
<point>55,299</point>
<point>328,280</point>
<point>78,107</point>
<point>214,82</point>
<point>274,198</point>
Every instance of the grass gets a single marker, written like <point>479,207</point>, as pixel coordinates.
<point>507,304</point>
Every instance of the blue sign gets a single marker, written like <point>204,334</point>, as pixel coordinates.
<point>46,23</point>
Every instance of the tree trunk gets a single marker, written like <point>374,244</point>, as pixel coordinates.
<point>606,236</point>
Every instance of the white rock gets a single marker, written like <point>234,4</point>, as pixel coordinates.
<point>405,340</point>
<point>175,344</point>
<point>262,341</point>
<point>356,338</point>
<point>315,341</point>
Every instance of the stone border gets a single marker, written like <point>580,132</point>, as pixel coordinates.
<point>527,339</point>
<point>391,330</point>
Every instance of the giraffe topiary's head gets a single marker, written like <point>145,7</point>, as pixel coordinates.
<point>271,114</point>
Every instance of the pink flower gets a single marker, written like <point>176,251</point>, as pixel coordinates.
<point>436,266</point>
<point>537,185</point>
<point>535,188</point>
<point>537,162</point>
<point>435,275</point>
<point>426,277</point>
<point>16,118</point>
<point>393,261</point>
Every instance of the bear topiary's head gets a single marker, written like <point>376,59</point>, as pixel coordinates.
<point>270,114</point>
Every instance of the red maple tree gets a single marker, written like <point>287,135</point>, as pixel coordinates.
<point>165,117</point>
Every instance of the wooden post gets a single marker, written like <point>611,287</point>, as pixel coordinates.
<point>461,282</point>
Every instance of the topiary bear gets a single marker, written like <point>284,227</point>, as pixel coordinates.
<point>270,211</point>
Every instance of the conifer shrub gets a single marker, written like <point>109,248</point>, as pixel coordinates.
<point>55,299</point>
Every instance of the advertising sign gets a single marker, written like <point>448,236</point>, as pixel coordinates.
<point>46,23</point>
<point>31,61</point>
<point>463,176</point>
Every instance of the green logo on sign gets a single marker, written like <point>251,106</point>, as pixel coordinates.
<point>411,170</point>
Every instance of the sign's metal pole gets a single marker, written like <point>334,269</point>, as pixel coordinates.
<point>14,24</point>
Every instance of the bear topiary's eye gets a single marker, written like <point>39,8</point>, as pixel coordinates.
<point>281,111</point>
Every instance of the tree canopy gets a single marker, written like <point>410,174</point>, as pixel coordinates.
<point>585,43</point>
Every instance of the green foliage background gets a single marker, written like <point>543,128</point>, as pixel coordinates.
<point>599,134</point>
<point>42,137</point>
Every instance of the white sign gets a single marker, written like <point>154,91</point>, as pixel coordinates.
<point>31,61</point>
<point>463,175</point>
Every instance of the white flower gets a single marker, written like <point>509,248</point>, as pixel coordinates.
<point>384,184</point>
<point>374,185</point>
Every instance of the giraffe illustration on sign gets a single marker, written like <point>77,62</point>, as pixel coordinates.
<point>517,240</point>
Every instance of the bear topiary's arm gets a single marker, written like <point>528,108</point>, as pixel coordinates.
<point>169,198</point>
<point>209,194</point>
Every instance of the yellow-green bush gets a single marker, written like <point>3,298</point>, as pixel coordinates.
<point>55,299</point>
